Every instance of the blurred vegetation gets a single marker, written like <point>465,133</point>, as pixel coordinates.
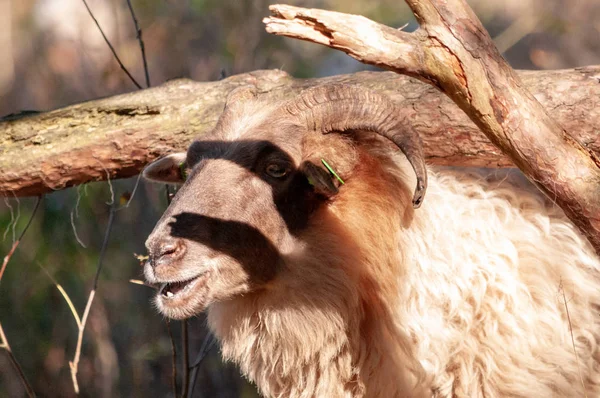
<point>53,55</point>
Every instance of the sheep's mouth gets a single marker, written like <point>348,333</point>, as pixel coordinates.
<point>181,289</point>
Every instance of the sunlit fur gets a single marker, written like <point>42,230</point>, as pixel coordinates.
<point>465,297</point>
<point>491,269</point>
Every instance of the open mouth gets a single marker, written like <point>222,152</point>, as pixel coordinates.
<point>173,290</point>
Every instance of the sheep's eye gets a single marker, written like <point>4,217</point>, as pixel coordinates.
<point>276,170</point>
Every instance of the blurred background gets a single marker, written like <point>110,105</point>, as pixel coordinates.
<point>53,55</point>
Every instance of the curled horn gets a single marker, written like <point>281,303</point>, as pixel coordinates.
<point>343,107</point>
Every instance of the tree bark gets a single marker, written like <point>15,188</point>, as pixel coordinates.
<point>452,51</point>
<point>118,136</point>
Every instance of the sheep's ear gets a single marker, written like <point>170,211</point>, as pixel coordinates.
<point>323,182</point>
<point>170,169</point>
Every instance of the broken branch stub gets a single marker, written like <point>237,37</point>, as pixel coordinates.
<point>452,51</point>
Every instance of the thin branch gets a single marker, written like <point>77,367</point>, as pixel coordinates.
<point>185,357</point>
<point>64,294</point>
<point>7,258</point>
<point>138,32</point>
<point>81,323</point>
<point>35,208</point>
<point>111,219</point>
<point>110,46</point>
<point>14,246</point>
<point>562,289</point>
<point>173,358</point>
<point>141,283</point>
<point>74,365</point>
<point>70,304</point>
<point>4,344</point>
<point>209,342</point>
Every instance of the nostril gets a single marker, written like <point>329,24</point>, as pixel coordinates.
<point>168,251</point>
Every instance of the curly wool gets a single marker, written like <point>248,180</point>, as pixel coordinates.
<point>491,263</point>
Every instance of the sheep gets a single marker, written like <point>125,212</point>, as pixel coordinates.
<point>319,286</point>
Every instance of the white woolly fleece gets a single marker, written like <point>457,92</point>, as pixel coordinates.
<point>490,263</point>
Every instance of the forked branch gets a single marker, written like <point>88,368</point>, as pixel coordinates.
<point>452,51</point>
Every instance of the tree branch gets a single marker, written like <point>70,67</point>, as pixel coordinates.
<point>185,349</point>
<point>4,345</point>
<point>458,56</point>
<point>138,35</point>
<point>118,136</point>
<point>16,242</point>
<point>173,359</point>
<point>74,364</point>
<point>356,35</point>
<point>112,49</point>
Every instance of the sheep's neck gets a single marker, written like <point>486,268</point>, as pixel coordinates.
<point>342,346</point>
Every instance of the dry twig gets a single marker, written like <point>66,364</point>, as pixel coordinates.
<point>64,295</point>
<point>564,297</point>
<point>114,52</point>
<point>3,340</point>
<point>173,358</point>
<point>185,358</point>
<point>4,344</point>
<point>74,364</point>
<point>138,33</point>
<point>207,344</point>
<point>16,242</point>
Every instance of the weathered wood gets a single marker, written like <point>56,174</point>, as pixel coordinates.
<point>118,136</point>
<point>453,52</point>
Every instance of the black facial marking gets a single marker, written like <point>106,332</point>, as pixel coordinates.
<point>296,194</point>
<point>241,241</point>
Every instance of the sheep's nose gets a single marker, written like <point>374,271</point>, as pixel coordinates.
<point>166,252</point>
